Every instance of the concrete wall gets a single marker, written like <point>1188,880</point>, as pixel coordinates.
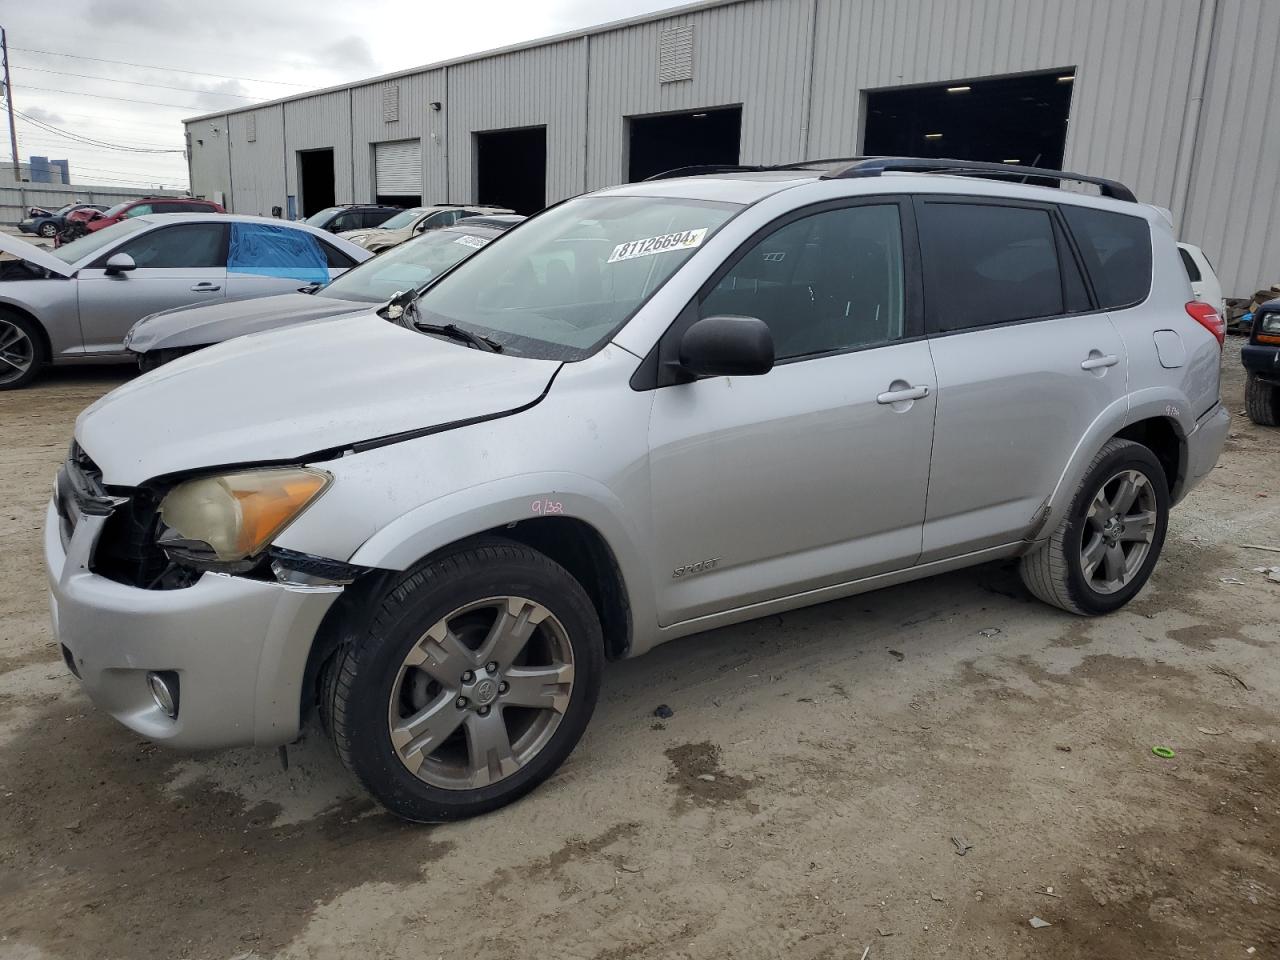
<point>1176,98</point>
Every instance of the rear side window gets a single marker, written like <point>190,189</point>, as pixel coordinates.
<point>1117,254</point>
<point>335,257</point>
<point>986,264</point>
<point>1193,272</point>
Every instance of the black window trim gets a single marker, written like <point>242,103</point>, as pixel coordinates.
<point>1151,274</point>
<point>329,247</point>
<point>1062,236</point>
<point>659,368</point>
<point>101,262</point>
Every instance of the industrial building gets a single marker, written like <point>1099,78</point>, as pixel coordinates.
<point>1177,98</point>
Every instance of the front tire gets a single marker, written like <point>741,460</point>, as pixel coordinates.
<point>1104,550</point>
<point>473,680</point>
<point>47,229</point>
<point>1262,401</point>
<point>21,351</point>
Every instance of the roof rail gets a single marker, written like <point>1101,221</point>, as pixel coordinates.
<point>875,166</point>
<point>706,169</point>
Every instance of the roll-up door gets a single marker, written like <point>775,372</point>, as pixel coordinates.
<point>398,168</point>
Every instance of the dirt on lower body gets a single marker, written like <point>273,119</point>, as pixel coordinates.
<point>800,801</point>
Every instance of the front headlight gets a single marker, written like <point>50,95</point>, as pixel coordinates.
<point>228,520</point>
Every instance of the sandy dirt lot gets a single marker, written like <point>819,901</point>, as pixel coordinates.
<point>810,797</point>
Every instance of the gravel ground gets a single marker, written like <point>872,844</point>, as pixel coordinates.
<point>810,797</point>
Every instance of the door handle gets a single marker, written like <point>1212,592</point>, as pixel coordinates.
<point>1096,363</point>
<point>205,286</point>
<point>899,396</point>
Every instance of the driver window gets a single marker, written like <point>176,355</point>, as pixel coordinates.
<point>187,245</point>
<point>825,283</point>
<point>140,210</point>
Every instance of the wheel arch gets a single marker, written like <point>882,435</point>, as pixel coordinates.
<point>1159,419</point>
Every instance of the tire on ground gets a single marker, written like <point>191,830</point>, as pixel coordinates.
<point>358,680</point>
<point>1054,572</point>
<point>34,335</point>
<point>1262,401</point>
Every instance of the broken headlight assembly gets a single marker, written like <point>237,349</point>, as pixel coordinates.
<point>225,523</point>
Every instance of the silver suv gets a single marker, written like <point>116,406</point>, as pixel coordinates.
<point>646,412</point>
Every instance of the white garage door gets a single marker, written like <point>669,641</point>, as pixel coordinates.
<point>398,168</point>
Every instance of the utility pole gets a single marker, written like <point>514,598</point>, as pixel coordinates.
<point>8,100</point>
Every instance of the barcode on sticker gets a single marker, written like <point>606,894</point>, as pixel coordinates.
<point>476,242</point>
<point>684,240</point>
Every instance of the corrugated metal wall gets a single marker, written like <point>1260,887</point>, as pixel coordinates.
<point>1130,59</point>
<point>1234,209</point>
<point>800,70</point>
<point>417,121</point>
<point>257,166</point>
<point>208,159</point>
<point>753,54</point>
<point>544,86</point>
<point>317,123</point>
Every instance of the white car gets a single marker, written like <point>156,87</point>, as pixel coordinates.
<point>1204,279</point>
<point>77,302</point>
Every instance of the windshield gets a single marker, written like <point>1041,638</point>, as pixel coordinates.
<point>67,209</point>
<point>567,280</point>
<point>402,219</point>
<point>403,268</point>
<point>321,218</point>
<point>117,209</point>
<point>91,243</point>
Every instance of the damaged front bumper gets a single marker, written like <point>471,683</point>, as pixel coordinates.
<point>237,646</point>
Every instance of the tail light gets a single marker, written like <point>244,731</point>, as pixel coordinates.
<point>1208,318</point>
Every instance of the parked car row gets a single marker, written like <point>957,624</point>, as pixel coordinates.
<point>44,223</point>
<point>646,412</point>
<point>87,219</point>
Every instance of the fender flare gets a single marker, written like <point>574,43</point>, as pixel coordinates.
<point>1146,404</point>
<point>466,513</point>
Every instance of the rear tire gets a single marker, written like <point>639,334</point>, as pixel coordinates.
<point>1104,550</point>
<point>1262,401</point>
<point>22,352</point>
<point>431,709</point>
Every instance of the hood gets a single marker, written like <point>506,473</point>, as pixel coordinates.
<point>216,322</point>
<point>17,247</point>
<point>284,395</point>
<point>375,236</point>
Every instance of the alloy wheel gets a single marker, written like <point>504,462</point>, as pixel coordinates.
<point>17,352</point>
<point>481,693</point>
<point>1119,529</point>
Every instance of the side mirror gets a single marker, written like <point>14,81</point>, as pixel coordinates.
<point>727,347</point>
<point>119,263</point>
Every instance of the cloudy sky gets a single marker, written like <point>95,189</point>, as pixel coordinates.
<point>138,68</point>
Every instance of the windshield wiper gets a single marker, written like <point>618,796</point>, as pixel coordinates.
<point>455,332</point>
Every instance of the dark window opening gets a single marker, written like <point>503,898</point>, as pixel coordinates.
<point>986,264</point>
<point>402,200</point>
<point>1117,253</point>
<point>315,180</point>
<point>511,169</point>
<point>1022,119</point>
<point>669,141</point>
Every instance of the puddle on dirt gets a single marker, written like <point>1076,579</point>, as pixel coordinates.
<point>697,773</point>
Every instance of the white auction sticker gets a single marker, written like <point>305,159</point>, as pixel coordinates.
<point>469,241</point>
<point>684,240</point>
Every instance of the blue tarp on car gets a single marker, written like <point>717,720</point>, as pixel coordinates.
<point>269,250</point>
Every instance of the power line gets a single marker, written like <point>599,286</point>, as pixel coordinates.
<point>138,83</point>
<point>98,118</point>
<point>152,66</point>
<point>103,96</point>
<point>79,138</point>
<point>60,139</point>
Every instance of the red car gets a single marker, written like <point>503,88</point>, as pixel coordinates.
<point>92,220</point>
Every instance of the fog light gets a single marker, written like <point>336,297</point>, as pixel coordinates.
<point>164,691</point>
